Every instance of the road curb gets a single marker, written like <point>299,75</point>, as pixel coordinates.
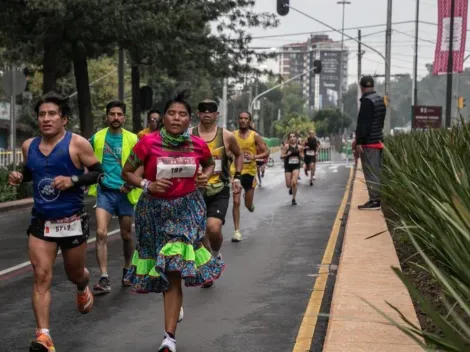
<point>16,205</point>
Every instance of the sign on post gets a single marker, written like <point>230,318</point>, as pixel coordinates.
<point>427,116</point>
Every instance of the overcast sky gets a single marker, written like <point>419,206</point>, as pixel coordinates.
<point>360,13</point>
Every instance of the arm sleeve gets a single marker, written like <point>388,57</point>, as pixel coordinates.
<point>364,121</point>
<point>139,153</point>
<point>206,159</point>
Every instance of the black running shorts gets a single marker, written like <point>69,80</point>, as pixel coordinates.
<point>36,229</point>
<point>217,205</point>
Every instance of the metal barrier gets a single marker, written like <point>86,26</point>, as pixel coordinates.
<point>325,154</point>
<point>6,158</point>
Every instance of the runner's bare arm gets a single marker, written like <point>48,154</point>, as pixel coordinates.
<point>262,146</point>
<point>16,178</point>
<point>234,148</point>
<point>284,151</point>
<point>88,159</point>
<point>302,152</point>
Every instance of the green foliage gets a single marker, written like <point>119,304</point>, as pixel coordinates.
<point>330,121</point>
<point>426,179</point>
<point>294,123</point>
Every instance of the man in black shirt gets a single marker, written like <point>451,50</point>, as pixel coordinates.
<point>368,144</point>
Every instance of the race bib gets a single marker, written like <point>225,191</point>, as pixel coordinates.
<point>218,165</point>
<point>182,167</point>
<point>67,227</point>
<point>294,160</point>
<point>310,152</point>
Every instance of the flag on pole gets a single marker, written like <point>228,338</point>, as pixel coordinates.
<point>441,54</point>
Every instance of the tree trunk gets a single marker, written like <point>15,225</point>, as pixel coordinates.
<point>49,66</point>
<point>135,78</point>
<point>80,67</point>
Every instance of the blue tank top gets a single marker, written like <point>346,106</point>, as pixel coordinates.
<point>50,203</point>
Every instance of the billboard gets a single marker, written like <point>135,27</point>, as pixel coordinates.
<point>330,78</point>
<point>427,117</point>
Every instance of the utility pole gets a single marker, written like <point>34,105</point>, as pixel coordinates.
<point>13,116</point>
<point>388,56</point>
<point>414,100</point>
<point>344,3</point>
<point>450,66</point>
<point>121,75</point>
<point>359,68</point>
<point>225,103</point>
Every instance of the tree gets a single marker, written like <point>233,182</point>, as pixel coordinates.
<point>294,123</point>
<point>330,122</point>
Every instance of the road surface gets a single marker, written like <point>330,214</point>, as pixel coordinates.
<point>257,305</point>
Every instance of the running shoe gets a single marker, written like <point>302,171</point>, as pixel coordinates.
<point>252,209</point>
<point>168,344</point>
<point>311,183</point>
<point>294,202</point>
<point>103,286</point>
<point>125,281</point>
<point>42,343</point>
<point>237,236</point>
<point>370,205</point>
<point>85,301</point>
<point>181,316</point>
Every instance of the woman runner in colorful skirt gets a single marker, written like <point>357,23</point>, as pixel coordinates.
<point>170,217</point>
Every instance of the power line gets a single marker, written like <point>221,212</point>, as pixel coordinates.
<point>412,36</point>
<point>328,31</point>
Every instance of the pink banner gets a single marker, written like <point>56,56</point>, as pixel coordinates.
<point>441,54</point>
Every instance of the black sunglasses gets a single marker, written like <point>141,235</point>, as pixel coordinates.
<point>207,107</point>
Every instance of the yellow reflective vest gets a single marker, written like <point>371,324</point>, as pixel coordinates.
<point>129,139</point>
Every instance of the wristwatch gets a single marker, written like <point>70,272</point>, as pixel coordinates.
<point>74,179</point>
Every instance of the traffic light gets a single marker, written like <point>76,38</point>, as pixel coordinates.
<point>317,66</point>
<point>282,7</point>
<point>461,103</point>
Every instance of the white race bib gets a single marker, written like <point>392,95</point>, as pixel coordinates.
<point>311,152</point>
<point>67,227</point>
<point>182,167</point>
<point>218,165</point>
<point>294,160</point>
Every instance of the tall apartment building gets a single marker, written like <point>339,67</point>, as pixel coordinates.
<point>321,91</point>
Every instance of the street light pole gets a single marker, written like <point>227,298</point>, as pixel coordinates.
<point>450,66</point>
<point>388,57</point>
<point>344,3</point>
<point>414,100</point>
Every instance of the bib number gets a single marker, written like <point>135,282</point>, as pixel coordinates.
<point>67,227</point>
<point>184,167</point>
<point>218,165</point>
<point>311,152</point>
<point>294,160</point>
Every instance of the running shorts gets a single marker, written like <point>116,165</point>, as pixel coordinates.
<point>217,204</point>
<point>310,159</point>
<point>36,229</point>
<point>247,182</point>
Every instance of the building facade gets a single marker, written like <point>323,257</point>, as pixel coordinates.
<point>322,90</point>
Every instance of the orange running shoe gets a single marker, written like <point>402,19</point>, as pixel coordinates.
<point>85,301</point>
<point>43,343</point>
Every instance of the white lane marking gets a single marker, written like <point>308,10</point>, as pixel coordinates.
<point>22,265</point>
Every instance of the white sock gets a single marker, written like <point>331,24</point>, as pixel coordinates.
<point>104,275</point>
<point>215,254</point>
<point>44,331</point>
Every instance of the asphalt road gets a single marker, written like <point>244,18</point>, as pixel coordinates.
<point>257,305</point>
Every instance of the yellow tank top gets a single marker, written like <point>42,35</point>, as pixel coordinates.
<point>247,145</point>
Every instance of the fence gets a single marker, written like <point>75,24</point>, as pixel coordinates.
<point>6,158</point>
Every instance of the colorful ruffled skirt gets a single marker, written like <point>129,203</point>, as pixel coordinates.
<point>169,239</point>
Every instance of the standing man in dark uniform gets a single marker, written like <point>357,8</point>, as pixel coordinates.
<point>368,144</point>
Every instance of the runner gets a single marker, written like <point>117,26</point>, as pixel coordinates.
<point>112,146</point>
<point>153,123</point>
<point>217,193</point>
<point>248,140</point>
<point>311,147</point>
<point>171,214</point>
<point>55,163</point>
<point>292,154</point>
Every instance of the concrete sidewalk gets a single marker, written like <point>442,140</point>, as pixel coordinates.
<point>365,272</point>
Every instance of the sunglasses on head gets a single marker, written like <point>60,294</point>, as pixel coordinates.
<point>207,107</point>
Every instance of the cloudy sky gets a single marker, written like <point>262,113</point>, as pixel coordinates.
<point>368,15</point>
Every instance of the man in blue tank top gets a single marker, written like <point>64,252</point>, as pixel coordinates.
<point>112,145</point>
<point>55,163</point>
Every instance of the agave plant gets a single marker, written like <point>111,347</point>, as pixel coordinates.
<point>426,185</point>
